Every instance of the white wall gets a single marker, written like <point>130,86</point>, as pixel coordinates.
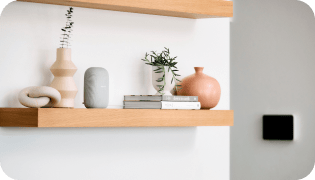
<point>29,35</point>
<point>272,72</point>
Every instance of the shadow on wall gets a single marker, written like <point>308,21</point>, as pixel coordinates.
<point>47,76</point>
<point>11,99</point>
<point>90,145</point>
<point>272,72</point>
<point>110,140</point>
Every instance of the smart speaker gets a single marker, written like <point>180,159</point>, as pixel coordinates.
<point>96,88</point>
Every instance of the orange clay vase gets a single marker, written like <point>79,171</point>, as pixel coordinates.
<point>205,87</point>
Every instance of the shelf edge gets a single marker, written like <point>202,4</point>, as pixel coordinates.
<point>213,9</point>
<point>18,117</point>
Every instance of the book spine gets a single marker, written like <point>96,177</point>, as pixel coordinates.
<point>180,105</point>
<point>180,98</point>
<point>142,98</point>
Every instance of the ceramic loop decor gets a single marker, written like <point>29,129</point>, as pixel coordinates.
<point>205,87</point>
<point>39,96</point>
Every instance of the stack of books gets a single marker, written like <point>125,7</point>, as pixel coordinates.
<point>161,102</point>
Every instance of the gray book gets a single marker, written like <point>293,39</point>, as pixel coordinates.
<point>142,105</point>
<point>161,98</point>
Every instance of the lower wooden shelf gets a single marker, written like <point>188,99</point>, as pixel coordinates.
<point>59,117</point>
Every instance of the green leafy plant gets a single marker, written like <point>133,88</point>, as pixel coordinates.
<point>65,39</point>
<point>163,60</point>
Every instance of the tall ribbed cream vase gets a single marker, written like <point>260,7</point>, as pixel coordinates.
<point>63,69</point>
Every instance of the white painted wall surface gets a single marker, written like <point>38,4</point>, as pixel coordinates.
<point>29,36</point>
<point>272,72</point>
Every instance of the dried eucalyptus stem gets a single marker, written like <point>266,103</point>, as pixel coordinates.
<point>65,39</point>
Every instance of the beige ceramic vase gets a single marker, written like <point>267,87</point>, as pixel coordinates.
<point>205,87</point>
<point>63,70</point>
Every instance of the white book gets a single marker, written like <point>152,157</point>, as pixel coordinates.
<point>180,105</point>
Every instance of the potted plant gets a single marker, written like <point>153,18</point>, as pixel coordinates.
<point>164,76</point>
<point>63,69</point>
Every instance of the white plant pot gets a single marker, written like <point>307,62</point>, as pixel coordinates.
<point>168,86</point>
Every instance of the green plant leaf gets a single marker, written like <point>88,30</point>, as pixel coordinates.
<point>161,60</point>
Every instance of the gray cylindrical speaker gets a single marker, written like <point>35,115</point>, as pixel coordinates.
<point>96,88</point>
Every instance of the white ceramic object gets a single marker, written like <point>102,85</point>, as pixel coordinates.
<point>39,96</point>
<point>168,77</point>
<point>63,70</point>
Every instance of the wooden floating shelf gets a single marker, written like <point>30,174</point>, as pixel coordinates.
<point>194,9</point>
<point>59,117</point>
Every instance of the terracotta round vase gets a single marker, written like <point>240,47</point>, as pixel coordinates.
<point>205,87</point>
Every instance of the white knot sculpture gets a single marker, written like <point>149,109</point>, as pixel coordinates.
<point>39,96</point>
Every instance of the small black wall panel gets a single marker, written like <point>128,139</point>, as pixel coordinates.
<point>278,127</point>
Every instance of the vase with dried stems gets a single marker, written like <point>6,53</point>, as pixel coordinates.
<point>63,69</point>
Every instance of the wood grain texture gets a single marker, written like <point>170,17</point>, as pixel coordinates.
<point>58,117</point>
<point>132,118</point>
<point>19,117</point>
<point>194,9</point>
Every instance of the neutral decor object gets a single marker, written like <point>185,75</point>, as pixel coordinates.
<point>161,102</point>
<point>96,88</point>
<point>163,71</point>
<point>162,87</point>
<point>39,96</point>
<point>64,69</point>
<point>205,87</point>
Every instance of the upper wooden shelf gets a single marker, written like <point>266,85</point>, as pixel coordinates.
<point>60,117</point>
<point>194,9</point>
